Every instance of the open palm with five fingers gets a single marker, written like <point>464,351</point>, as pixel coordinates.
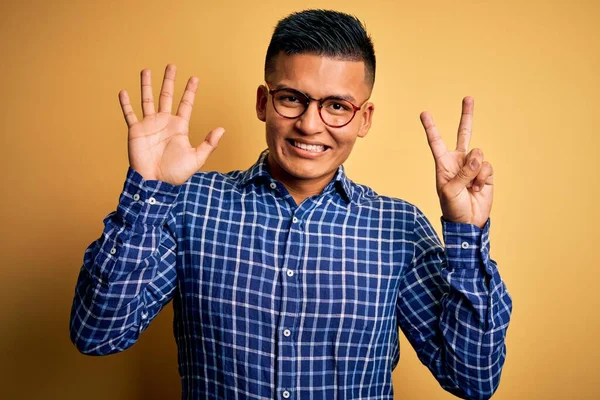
<point>158,146</point>
<point>464,181</point>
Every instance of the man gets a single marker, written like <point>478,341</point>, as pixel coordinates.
<point>288,279</point>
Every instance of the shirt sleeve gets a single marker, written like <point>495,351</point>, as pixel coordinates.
<point>454,307</point>
<point>128,274</point>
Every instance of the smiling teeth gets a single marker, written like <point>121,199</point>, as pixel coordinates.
<point>310,147</point>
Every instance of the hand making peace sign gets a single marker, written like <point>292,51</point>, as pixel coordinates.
<point>464,181</point>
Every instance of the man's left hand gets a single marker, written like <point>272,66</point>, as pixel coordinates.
<point>464,181</point>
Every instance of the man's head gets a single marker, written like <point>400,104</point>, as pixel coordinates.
<point>320,64</point>
<point>323,33</point>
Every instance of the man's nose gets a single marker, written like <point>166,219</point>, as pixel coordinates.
<point>310,122</point>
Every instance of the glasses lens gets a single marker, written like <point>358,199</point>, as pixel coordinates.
<point>337,112</point>
<point>289,103</point>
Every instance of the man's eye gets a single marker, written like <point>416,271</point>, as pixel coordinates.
<point>337,106</point>
<point>291,99</point>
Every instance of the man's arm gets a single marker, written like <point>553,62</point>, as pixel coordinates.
<point>454,308</point>
<point>452,305</point>
<point>128,274</point>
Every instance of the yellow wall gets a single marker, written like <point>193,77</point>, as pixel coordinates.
<point>533,68</point>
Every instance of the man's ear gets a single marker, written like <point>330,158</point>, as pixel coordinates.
<point>367,117</point>
<point>262,95</point>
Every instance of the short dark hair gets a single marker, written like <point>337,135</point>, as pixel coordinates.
<point>325,33</point>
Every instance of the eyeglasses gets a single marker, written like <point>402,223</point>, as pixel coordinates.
<point>334,111</point>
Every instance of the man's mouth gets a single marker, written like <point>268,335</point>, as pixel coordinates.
<point>313,148</point>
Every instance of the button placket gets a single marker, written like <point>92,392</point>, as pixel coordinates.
<point>291,305</point>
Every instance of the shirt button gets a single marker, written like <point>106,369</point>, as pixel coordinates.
<point>152,200</point>
<point>465,245</point>
<point>136,197</point>
<point>144,315</point>
<point>113,250</point>
<point>290,272</point>
<point>273,185</point>
<point>287,333</point>
<point>295,220</point>
<point>285,394</point>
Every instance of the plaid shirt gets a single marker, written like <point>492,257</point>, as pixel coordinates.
<point>276,301</point>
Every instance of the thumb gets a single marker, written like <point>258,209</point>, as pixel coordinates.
<point>466,174</point>
<point>208,145</point>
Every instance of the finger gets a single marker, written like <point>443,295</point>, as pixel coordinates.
<point>128,112</point>
<point>208,145</point>
<point>187,100</point>
<point>466,125</point>
<point>485,177</point>
<point>438,148</point>
<point>468,172</point>
<point>147,97</point>
<point>165,101</point>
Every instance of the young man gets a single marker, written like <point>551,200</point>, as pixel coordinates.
<point>288,279</point>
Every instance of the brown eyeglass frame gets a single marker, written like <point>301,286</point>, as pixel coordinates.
<point>307,104</point>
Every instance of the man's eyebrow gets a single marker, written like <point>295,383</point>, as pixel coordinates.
<point>347,97</point>
<point>280,86</point>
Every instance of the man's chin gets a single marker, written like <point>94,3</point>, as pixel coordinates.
<point>294,168</point>
<point>302,173</point>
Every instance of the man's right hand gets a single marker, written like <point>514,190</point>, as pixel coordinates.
<point>159,146</point>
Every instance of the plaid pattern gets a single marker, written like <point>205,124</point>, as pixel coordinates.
<point>274,300</point>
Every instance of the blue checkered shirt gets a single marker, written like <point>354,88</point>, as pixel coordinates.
<point>274,300</point>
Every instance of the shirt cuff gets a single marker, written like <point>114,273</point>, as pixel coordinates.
<point>467,245</point>
<point>147,202</point>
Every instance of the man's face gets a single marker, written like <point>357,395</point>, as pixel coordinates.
<point>317,77</point>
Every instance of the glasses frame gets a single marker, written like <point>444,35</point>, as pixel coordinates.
<point>320,102</point>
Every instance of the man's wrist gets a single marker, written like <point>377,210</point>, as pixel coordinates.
<point>150,200</point>
<point>467,245</point>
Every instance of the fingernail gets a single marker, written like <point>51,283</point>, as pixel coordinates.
<point>473,164</point>
<point>476,188</point>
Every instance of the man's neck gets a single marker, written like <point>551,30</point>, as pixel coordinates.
<point>299,189</point>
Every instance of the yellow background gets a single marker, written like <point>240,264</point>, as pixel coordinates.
<point>533,68</point>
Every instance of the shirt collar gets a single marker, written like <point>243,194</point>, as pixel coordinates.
<point>260,171</point>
